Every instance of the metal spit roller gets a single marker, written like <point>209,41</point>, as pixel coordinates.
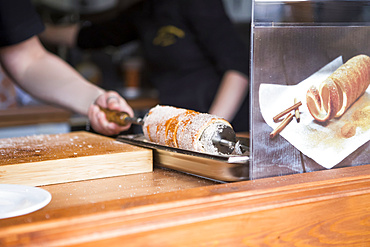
<point>223,138</point>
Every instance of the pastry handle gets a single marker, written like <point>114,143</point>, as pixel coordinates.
<point>120,118</point>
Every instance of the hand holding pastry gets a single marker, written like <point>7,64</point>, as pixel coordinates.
<point>110,100</point>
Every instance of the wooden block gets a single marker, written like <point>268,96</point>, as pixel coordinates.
<point>51,159</point>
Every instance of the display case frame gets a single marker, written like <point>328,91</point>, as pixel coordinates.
<point>292,40</point>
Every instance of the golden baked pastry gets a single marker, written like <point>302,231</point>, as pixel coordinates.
<point>181,128</point>
<point>340,90</point>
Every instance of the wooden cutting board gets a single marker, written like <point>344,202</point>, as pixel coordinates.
<point>50,159</point>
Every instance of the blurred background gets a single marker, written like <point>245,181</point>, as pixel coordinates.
<point>122,68</point>
<point>113,68</point>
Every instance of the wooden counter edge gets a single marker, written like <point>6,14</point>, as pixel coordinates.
<point>29,115</point>
<point>301,207</point>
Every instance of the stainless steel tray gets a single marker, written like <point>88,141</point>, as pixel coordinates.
<point>227,168</point>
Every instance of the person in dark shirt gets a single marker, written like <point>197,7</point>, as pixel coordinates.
<point>194,56</point>
<point>46,76</point>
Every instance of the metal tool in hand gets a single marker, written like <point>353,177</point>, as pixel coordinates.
<point>223,139</point>
<point>121,118</point>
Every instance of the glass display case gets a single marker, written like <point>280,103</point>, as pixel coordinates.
<point>297,48</point>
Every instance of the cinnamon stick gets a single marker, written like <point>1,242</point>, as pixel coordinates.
<point>286,111</point>
<point>296,112</point>
<point>281,126</point>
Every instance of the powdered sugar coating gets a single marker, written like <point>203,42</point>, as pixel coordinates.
<point>205,142</point>
<point>192,131</point>
<point>155,122</point>
<point>173,126</point>
<point>176,127</point>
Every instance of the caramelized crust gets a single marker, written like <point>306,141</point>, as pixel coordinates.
<point>340,90</point>
<point>179,128</point>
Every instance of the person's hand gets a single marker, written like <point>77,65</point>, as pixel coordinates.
<point>110,100</point>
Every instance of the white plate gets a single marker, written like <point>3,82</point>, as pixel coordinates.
<point>18,200</point>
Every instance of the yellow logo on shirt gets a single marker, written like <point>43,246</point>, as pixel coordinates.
<point>168,35</point>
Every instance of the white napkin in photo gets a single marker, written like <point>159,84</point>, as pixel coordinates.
<point>323,143</point>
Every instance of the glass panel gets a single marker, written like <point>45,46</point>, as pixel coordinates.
<point>311,12</point>
<point>296,45</point>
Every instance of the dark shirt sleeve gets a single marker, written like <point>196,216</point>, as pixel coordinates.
<point>114,32</point>
<point>217,34</point>
<point>18,21</point>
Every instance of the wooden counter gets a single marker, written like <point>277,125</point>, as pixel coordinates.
<point>28,115</point>
<point>167,208</point>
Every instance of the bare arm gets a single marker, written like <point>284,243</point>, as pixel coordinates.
<point>47,77</point>
<point>50,79</point>
<point>60,35</point>
<point>230,95</point>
